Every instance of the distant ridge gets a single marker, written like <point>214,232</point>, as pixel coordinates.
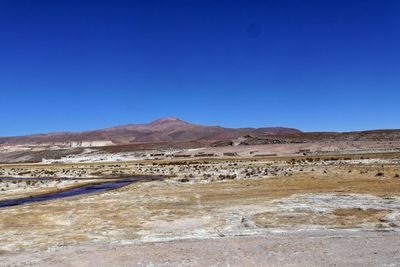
<point>171,131</point>
<point>168,129</point>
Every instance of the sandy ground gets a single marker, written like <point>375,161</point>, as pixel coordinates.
<point>78,155</point>
<point>335,248</point>
<point>230,212</point>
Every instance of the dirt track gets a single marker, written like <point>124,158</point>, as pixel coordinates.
<point>337,248</point>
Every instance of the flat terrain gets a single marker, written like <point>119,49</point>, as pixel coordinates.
<point>293,210</point>
<point>336,248</point>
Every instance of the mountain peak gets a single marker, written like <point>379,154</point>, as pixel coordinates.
<point>168,129</point>
<point>167,120</point>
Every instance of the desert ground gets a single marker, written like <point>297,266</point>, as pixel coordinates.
<point>339,208</point>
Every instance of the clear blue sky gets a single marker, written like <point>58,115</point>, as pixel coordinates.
<point>313,65</point>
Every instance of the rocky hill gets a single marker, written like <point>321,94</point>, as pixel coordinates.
<point>162,130</point>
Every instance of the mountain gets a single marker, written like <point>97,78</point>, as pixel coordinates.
<point>161,130</point>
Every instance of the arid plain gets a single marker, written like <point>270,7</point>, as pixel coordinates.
<point>275,201</point>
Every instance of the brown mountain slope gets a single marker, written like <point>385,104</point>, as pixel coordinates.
<point>162,130</point>
<point>173,130</point>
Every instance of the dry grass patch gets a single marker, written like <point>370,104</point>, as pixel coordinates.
<point>357,212</point>
<point>340,218</point>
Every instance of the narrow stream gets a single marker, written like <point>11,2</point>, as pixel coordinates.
<point>84,189</point>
